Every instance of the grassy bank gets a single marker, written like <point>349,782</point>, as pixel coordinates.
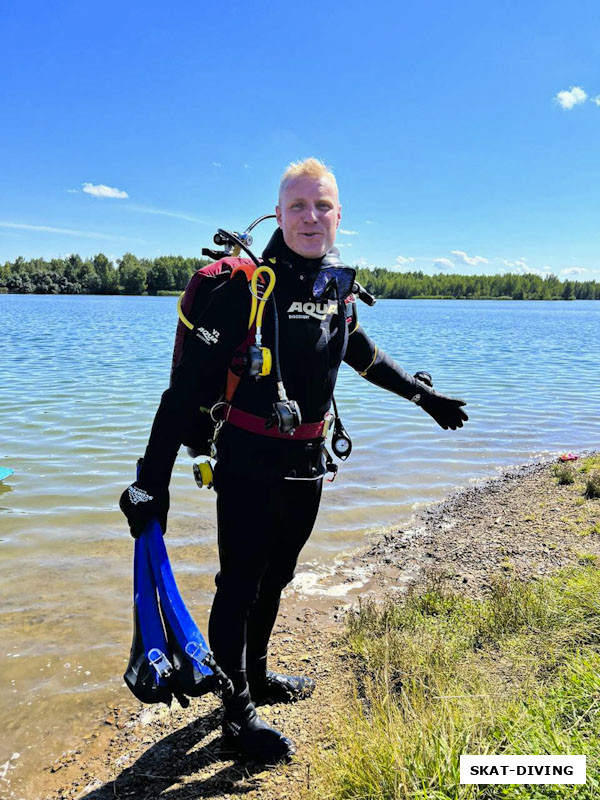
<point>442,674</point>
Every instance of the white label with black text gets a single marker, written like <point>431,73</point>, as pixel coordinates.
<point>522,769</point>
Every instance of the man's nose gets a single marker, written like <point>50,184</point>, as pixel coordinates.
<point>310,214</point>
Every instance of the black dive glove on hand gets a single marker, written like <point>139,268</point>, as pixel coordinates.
<point>142,505</point>
<point>446,411</point>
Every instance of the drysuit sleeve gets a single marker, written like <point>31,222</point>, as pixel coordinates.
<point>363,355</point>
<point>199,377</point>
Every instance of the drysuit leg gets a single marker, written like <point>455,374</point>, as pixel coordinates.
<point>301,503</point>
<point>246,521</point>
<point>262,528</point>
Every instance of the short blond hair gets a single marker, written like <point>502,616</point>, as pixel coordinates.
<point>309,168</point>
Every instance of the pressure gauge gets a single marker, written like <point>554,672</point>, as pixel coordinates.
<point>341,444</point>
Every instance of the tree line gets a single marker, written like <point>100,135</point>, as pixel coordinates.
<point>98,275</point>
<point>385,283</point>
<point>132,275</point>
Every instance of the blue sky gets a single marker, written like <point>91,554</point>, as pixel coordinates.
<point>444,123</point>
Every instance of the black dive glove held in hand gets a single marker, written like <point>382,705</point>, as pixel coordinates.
<point>141,505</point>
<point>446,411</point>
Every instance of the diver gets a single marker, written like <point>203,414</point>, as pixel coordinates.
<point>271,456</point>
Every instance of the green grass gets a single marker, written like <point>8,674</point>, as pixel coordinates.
<point>587,559</point>
<point>590,464</point>
<point>564,474</point>
<point>594,530</point>
<point>442,675</point>
<point>592,485</point>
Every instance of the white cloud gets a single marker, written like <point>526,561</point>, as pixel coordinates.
<point>362,262</point>
<point>368,222</point>
<point>596,100</point>
<point>163,212</point>
<point>216,164</point>
<point>246,166</point>
<point>342,244</point>
<point>443,263</point>
<point>521,267</point>
<point>525,270</point>
<point>520,263</point>
<point>72,191</point>
<point>460,257</point>
<point>20,226</point>
<point>100,190</point>
<point>572,97</point>
<point>402,260</point>
<point>574,271</point>
<point>348,233</point>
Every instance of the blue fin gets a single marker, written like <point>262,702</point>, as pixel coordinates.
<point>149,670</point>
<point>169,655</point>
<point>190,653</point>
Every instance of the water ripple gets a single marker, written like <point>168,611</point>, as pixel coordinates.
<point>81,378</point>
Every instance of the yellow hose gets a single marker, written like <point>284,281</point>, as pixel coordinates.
<point>181,315</point>
<point>258,305</point>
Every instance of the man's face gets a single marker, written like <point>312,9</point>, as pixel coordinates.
<point>309,214</point>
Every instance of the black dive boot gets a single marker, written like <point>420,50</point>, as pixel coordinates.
<point>245,731</point>
<point>271,687</point>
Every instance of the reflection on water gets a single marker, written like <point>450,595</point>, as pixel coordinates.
<point>81,378</point>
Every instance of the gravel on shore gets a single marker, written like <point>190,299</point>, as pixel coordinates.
<point>520,524</point>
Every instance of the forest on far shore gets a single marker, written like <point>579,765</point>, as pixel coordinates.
<point>132,275</point>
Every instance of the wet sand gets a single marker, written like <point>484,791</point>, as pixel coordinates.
<point>521,524</point>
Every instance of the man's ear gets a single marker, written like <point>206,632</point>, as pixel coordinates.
<point>339,216</point>
<point>278,215</point>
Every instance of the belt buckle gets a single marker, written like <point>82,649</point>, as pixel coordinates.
<point>327,424</point>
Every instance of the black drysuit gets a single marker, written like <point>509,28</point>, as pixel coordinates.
<point>268,489</point>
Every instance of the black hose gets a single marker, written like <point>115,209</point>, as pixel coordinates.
<point>276,331</point>
<point>260,219</point>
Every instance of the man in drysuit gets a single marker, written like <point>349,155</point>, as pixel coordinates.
<point>269,483</point>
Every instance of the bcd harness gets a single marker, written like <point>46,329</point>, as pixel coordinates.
<point>251,358</point>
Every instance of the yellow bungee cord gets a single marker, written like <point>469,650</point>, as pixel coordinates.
<point>257,311</point>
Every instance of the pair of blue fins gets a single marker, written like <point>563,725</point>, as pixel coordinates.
<point>169,656</point>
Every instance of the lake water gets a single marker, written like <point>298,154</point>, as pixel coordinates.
<point>81,378</point>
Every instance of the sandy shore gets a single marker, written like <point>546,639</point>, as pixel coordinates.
<point>521,524</point>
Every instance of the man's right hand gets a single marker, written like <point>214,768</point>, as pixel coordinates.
<point>141,505</point>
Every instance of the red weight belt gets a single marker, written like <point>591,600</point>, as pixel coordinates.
<point>253,424</point>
